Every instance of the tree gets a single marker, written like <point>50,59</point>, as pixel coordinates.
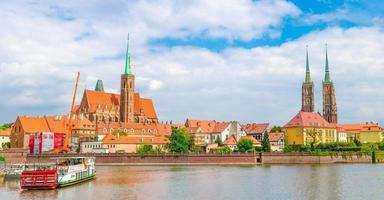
<point>178,141</point>
<point>357,142</point>
<point>276,129</point>
<point>119,132</point>
<point>6,145</point>
<point>6,126</point>
<point>313,133</point>
<point>265,145</point>
<point>245,145</point>
<point>224,149</point>
<point>218,141</point>
<point>145,148</point>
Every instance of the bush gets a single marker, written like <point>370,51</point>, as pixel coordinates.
<point>258,148</point>
<point>145,148</point>
<point>245,145</point>
<point>296,148</point>
<point>224,149</point>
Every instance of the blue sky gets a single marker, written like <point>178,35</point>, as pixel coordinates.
<point>234,60</point>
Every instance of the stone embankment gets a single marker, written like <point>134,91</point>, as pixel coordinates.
<point>21,156</point>
<point>306,158</point>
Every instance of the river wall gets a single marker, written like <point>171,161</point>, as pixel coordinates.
<point>14,155</point>
<point>305,158</point>
<point>218,159</point>
<point>161,159</point>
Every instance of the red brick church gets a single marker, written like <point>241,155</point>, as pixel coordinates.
<point>126,107</point>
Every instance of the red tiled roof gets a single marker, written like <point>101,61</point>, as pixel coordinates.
<point>308,119</point>
<point>255,128</point>
<point>356,128</point>
<point>250,138</point>
<point>220,126</point>
<point>207,126</point>
<point>231,140</point>
<point>6,132</point>
<point>110,100</point>
<point>53,124</point>
<point>274,137</point>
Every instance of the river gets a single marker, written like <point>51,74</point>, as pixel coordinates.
<point>334,181</point>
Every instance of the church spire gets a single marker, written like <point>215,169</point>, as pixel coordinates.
<point>128,69</point>
<point>307,72</point>
<point>327,77</point>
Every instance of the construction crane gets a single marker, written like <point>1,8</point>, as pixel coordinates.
<point>68,134</point>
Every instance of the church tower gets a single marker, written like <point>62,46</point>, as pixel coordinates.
<point>127,90</point>
<point>307,93</point>
<point>329,95</point>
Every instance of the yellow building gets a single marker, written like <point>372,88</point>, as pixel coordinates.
<point>307,126</point>
<point>368,132</point>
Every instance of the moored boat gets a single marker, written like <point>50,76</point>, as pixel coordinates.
<point>64,172</point>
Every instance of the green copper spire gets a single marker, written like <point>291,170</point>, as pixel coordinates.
<point>327,77</point>
<point>307,72</point>
<point>99,86</point>
<point>128,69</point>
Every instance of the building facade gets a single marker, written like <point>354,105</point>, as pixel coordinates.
<point>306,127</point>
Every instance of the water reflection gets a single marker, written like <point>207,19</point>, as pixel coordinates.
<point>218,182</point>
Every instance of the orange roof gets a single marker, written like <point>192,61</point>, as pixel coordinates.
<point>230,141</point>
<point>111,139</point>
<point>33,124</point>
<point>105,100</point>
<point>250,138</point>
<point>274,137</point>
<point>308,119</point>
<point>6,132</point>
<point>207,126</point>
<point>53,123</point>
<point>220,126</point>
<point>356,128</point>
<point>255,128</point>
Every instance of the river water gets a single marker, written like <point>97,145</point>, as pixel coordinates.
<point>335,181</point>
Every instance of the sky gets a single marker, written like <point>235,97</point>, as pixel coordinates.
<point>226,60</point>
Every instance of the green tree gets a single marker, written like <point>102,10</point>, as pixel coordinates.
<point>6,145</point>
<point>6,126</point>
<point>179,140</point>
<point>356,141</point>
<point>224,149</point>
<point>218,141</point>
<point>145,148</point>
<point>265,145</point>
<point>245,145</point>
<point>276,129</point>
<point>312,134</point>
<point>119,132</point>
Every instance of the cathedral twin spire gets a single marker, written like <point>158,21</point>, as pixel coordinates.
<point>327,77</point>
<point>329,96</point>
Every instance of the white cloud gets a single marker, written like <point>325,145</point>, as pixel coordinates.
<point>40,53</point>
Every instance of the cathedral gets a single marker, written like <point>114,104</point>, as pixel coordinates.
<point>329,95</point>
<point>126,107</point>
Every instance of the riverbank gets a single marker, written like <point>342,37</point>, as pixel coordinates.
<point>19,156</point>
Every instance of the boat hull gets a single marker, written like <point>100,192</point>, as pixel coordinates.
<point>69,183</point>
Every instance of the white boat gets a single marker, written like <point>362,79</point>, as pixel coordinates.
<point>64,172</point>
